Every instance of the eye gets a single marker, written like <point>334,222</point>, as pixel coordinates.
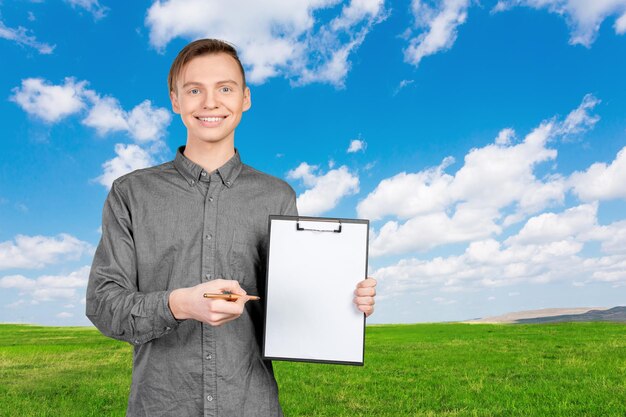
<point>225,89</point>
<point>194,91</point>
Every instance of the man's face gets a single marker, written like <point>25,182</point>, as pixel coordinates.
<point>210,98</point>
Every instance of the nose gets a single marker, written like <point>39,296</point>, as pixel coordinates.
<point>210,102</point>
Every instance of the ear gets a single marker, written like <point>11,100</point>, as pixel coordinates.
<point>247,99</point>
<point>174,100</point>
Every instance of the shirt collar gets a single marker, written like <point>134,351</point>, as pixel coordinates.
<point>192,172</point>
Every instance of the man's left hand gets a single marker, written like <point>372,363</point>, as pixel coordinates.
<point>364,296</point>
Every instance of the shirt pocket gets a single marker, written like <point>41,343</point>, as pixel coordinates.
<point>245,261</point>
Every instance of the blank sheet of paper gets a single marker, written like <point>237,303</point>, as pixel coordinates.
<point>311,278</point>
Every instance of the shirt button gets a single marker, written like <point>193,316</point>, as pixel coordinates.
<point>210,198</point>
<point>203,174</point>
<point>209,398</point>
<point>208,237</point>
<point>208,276</point>
<point>228,183</point>
<point>209,357</point>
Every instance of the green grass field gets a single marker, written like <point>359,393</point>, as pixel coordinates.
<point>576,369</point>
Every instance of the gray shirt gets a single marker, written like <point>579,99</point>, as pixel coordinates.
<point>176,225</point>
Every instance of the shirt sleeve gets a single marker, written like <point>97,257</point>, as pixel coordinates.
<point>114,304</point>
<point>289,206</point>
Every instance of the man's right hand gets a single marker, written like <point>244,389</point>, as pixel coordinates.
<point>189,303</point>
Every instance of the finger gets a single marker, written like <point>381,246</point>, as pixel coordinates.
<point>227,307</point>
<point>369,282</point>
<point>242,301</point>
<point>232,286</point>
<point>365,291</point>
<point>368,310</point>
<point>368,301</point>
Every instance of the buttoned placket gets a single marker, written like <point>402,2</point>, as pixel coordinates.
<point>209,247</point>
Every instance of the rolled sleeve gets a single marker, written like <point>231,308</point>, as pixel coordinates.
<point>113,303</point>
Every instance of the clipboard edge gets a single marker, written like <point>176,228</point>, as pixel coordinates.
<point>322,361</point>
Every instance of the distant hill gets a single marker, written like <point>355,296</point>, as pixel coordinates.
<point>557,315</point>
<point>616,314</point>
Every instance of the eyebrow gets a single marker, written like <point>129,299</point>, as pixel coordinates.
<point>190,83</point>
<point>227,82</point>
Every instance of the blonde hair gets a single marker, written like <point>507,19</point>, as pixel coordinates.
<point>199,48</point>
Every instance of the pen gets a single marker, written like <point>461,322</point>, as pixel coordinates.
<point>228,296</point>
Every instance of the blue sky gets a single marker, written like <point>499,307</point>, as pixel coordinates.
<point>485,141</point>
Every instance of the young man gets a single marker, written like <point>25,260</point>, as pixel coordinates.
<point>173,232</point>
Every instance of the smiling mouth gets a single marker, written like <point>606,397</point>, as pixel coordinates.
<point>213,119</point>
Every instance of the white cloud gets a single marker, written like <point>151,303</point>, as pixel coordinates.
<point>50,102</point>
<point>496,175</point>
<point>487,264</point>
<point>147,123</point>
<point>469,205</point>
<point>601,181</point>
<point>129,158</point>
<point>22,37</point>
<point>92,6</point>
<point>620,25</point>
<point>38,251</point>
<point>355,12</point>
<point>49,294</point>
<point>65,315</point>
<point>273,37</point>
<point>76,279</point>
<point>324,190</point>
<point>438,26</point>
<point>583,17</point>
<point>579,120</point>
<point>407,195</point>
<point>304,172</point>
<point>549,247</point>
<point>106,115</point>
<point>431,230</point>
<point>143,123</point>
<point>495,188</point>
<point>357,145</point>
<point>50,287</point>
<point>17,281</point>
<point>505,137</point>
<point>403,84</point>
<point>613,237</point>
<point>549,227</point>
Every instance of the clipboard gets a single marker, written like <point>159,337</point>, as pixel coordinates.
<point>313,267</point>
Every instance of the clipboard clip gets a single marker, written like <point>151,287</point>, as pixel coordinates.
<point>336,230</point>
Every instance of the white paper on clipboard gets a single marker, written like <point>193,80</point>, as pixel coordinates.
<point>313,267</point>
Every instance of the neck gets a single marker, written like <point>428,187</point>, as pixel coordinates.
<point>209,156</point>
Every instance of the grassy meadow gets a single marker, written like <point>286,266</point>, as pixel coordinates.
<point>572,369</point>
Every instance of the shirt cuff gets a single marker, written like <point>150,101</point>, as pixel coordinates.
<point>169,320</point>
